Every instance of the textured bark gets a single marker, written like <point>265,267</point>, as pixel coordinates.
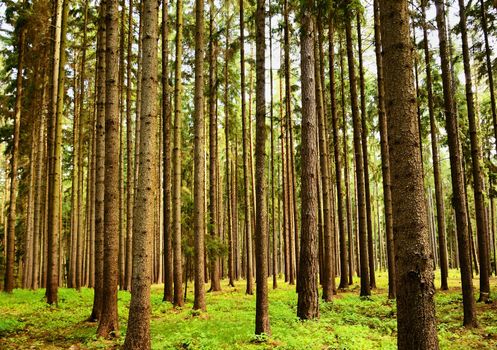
<point>245,146</point>
<point>271,130</point>
<point>358,153</point>
<point>476,156</point>
<point>385,156</point>
<point>199,157</point>
<point>344,266</point>
<point>439,196</point>
<point>364,141</point>
<point>109,325</point>
<point>213,155</point>
<point>322,131</point>
<point>308,303</point>
<point>176,177</point>
<point>130,166</point>
<point>416,320</point>
<point>100,168</point>
<point>14,160</point>
<point>138,333</point>
<point>456,169</point>
<point>54,152</point>
<point>261,234</point>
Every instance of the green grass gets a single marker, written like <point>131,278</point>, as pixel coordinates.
<point>349,322</point>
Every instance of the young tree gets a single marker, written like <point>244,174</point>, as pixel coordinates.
<point>308,298</point>
<point>138,333</point>
<point>415,277</point>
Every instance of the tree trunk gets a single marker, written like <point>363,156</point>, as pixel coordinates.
<point>476,156</point>
<point>456,170</point>
<point>385,156</point>
<point>100,168</point>
<point>364,140</point>
<point>109,324</point>
<point>415,277</point>
<point>308,303</point>
<point>176,178</point>
<point>199,159</point>
<point>358,151</point>
<point>439,197</point>
<point>138,333</point>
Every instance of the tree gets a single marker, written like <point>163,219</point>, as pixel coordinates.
<point>385,155</point>
<point>308,303</point>
<point>261,247</point>
<point>199,153</point>
<point>138,333</point>
<point>12,214</point>
<point>245,150</point>
<point>478,190</point>
<point>415,278</point>
<point>108,324</point>
<point>176,177</point>
<point>358,152</point>
<point>436,158</point>
<point>456,170</point>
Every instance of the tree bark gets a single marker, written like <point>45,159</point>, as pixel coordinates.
<point>415,277</point>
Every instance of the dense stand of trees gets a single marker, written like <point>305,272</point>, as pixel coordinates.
<point>339,147</point>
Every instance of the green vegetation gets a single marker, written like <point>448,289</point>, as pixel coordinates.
<point>27,322</point>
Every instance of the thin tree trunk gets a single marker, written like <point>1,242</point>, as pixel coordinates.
<point>456,171</point>
<point>358,150</point>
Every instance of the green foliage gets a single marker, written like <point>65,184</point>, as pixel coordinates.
<point>346,323</point>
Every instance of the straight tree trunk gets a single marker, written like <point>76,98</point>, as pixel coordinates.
<point>476,156</point>
<point>108,323</point>
<point>385,156</point>
<point>100,168</point>
<point>246,180</point>
<point>199,157</point>
<point>358,151</point>
<point>364,140</point>
<point>138,333</point>
<point>456,170</point>
<point>213,151</point>
<point>338,166</point>
<point>261,234</point>
<point>308,297</point>
<point>439,197</point>
<point>415,277</point>
<point>54,149</point>
<point>176,178</point>
<point>166,157</point>
<point>14,159</point>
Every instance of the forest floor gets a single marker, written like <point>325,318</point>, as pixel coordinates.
<point>349,322</point>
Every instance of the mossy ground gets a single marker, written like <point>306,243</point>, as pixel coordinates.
<point>349,322</point>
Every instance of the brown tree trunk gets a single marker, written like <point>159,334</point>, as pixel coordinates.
<point>100,168</point>
<point>261,247</point>
<point>176,178</point>
<point>199,157</point>
<point>109,324</point>
<point>415,277</point>
<point>308,303</point>
<point>358,151</point>
<point>364,140</point>
<point>439,197</point>
<point>456,170</point>
<point>246,175</point>
<point>138,333</point>
<point>476,156</point>
<point>385,156</point>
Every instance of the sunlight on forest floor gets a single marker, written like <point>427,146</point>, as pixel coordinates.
<point>349,322</point>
